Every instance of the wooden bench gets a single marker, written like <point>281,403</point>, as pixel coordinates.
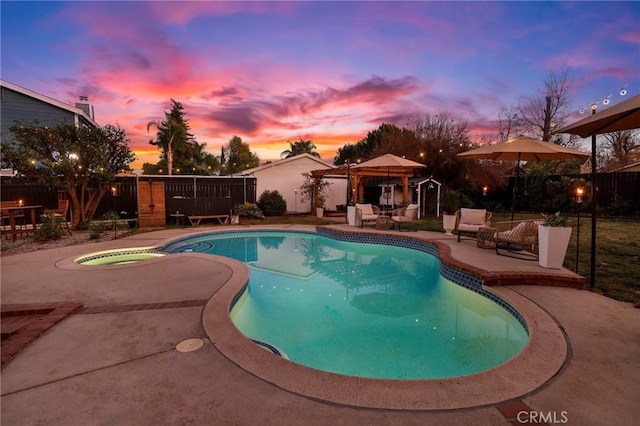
<point>223,219</point>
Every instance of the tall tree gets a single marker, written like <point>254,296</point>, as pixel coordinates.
<point>509,123</point>
<point>545,113</point>
<point>300,147</point>
<point>173,137</point>
<point>81,161</point>
<point>442,138</point>
<point>623,148</point>
<point>238,156</point>
<point>388,138</point>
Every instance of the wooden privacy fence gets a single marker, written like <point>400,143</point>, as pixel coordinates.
<point>150,199</point>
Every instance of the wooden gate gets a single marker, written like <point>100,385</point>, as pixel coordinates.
<point>151,204</point>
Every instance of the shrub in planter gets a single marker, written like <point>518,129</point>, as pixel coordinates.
<point>272,203</point>
<point>553,240</point>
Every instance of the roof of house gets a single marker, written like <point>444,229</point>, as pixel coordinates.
<point>49,100</point>
<point>628,168</point>
<point>284,161</point>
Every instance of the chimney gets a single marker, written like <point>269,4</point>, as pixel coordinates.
<point>85,106</point>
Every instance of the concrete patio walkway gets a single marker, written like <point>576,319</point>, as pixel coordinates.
<point>114,361</point>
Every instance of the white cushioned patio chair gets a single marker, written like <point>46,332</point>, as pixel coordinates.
<point>404,215</point>
<point>366,213</point>
<point>468,221</point>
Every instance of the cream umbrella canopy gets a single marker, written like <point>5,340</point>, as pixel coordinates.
<point>523,148</point>
<point>622,116</point>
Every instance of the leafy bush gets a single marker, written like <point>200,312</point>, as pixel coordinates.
<point>51,228</point>
<point>621,207</point>
<point>272,203</point>
<point>105,223</point>
<point>248,210</point>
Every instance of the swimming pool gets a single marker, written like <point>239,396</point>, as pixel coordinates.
<point>362,309</point>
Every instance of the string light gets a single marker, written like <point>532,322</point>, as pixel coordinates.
<point>605,101</point>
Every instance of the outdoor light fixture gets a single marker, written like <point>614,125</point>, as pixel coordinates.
<point>114,193</point>
<point>623,91</point>
<point>20,203</point>
<point>579,194</point>
<point>484,190</point>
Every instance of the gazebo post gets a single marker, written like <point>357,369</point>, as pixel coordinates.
<point>405,190</point>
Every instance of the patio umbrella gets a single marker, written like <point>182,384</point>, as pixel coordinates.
<point>390,163</point>
<point>523,148</point>
<point>622,116</point>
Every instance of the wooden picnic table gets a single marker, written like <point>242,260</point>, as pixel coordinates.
<point>16,211</point>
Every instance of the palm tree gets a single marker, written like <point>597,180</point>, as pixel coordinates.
<point>300,147</point>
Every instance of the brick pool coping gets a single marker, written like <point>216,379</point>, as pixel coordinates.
<point>22,324</point>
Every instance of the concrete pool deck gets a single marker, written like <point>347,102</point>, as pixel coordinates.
<point>114,361</point>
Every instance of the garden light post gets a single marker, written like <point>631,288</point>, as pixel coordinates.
<point>579,193</point>
<point>114,194</point>
<point>592,274</point>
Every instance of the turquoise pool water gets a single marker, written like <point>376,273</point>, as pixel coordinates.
<point>363,310</point>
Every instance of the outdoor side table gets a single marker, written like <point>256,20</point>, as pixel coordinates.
<point>383,222</point>
<point>487,237</point>
<point>179,218</point>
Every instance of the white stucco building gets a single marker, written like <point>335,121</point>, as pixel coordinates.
<point>285,176</point>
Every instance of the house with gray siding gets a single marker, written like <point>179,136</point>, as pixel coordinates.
<point>18,104</point>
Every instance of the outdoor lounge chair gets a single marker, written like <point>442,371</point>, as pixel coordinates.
<point>518,238</point>
<point>366,213</point>
<point>404,215</point>
<point>61,213</point>
<point>470,220</point>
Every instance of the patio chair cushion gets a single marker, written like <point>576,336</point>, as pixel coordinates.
<point>367,209</point>
<point>408,215</point>
<point>525,232</point>
<point>473,217</point>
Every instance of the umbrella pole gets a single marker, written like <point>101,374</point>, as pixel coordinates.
<point>515,187</point>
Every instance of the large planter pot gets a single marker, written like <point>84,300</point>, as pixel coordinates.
<point>553,243</point>
<point>351,215</point>
<point>448,223</point>
<point>319,211</point>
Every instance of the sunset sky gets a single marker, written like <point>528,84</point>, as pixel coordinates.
<point>272,72</point>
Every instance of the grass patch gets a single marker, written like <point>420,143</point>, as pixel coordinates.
<point>617,251</point>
